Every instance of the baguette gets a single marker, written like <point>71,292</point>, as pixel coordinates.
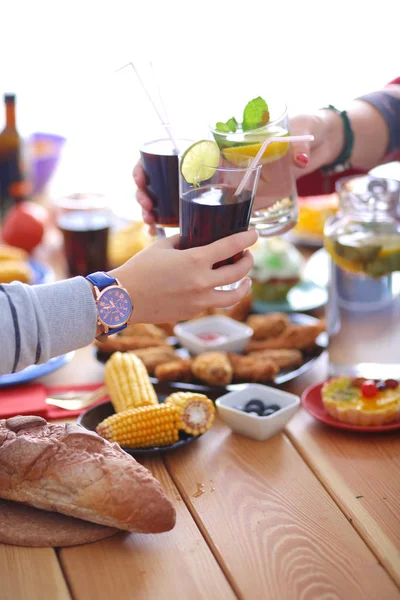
<point>69,470</point>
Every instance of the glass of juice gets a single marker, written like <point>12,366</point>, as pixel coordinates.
<point>211,209</point>
<point>240,138</point>
<point>160,162</point>
<point>85,221</point>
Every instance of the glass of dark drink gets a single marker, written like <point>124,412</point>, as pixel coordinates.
<point>85,222</point>
<point>211,209</point>
<point>160,162</point>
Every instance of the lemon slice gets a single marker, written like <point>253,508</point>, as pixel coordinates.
<point>200,161</point>
<point>239,155</point>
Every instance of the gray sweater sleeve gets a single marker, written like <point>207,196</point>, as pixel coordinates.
<point>42,321</point>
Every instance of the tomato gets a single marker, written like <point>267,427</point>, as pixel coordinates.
<point>24,225</point>
<point>369,389</point>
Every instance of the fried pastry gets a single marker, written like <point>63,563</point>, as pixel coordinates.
<point>174,370</point>
<point>144,329</point>
<point>167,327</point>
<point>123,343</point>
<point>15,270</point>
<point>154,356</point>
<point>294,336</point>
<point>265,326</point>
<point>282,357</point>
<point>249,369</point>
<point>213,368</point>
<point>12,253</point>
<point>239,311</point>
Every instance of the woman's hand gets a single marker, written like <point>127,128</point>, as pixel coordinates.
<point>327,128</point>
<point>167,285</point>
<point>142,197</point>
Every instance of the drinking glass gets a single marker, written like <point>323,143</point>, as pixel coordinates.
<point>275,205</point>
<point>85,221</point>
<point>211,210</point>
<point>161,166</point>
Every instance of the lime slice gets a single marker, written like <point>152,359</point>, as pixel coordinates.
<point>200,161</point>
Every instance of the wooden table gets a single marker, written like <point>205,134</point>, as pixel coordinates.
<point>313,513</point>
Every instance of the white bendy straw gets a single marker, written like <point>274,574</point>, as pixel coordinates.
<point>281,140</point>
<point>164,123</point>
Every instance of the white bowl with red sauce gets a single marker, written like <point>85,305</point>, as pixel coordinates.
<point>216,333</point>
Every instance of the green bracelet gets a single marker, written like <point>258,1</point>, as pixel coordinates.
<point>343,160</point>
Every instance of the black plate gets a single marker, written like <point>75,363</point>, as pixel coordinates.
<point>93,416</point>
<point>284,375</point>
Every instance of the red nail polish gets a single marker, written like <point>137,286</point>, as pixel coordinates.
<point>302,157</point>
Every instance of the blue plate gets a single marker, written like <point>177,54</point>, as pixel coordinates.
<point>305,296</point>
<point>41,273</point>
<point>35,371</point>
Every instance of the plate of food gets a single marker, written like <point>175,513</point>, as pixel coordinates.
<point>362,405</point>
<point>17,265</point>
<point>35,371</point>
<point>314,211</point>
<point>278,281</point>
<point>283,347</point>
<point>141,420</point>
<point>41,272</point>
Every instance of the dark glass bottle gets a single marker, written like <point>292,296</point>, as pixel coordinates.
<point>13,187</point>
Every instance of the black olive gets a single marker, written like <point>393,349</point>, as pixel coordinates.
<point>274,407</point>
<point>254,405</point>
<point>268,411</point>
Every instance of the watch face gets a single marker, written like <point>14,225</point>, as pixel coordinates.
<point>114,307</point>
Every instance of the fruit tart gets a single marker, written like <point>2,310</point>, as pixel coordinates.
<point>362,401</point>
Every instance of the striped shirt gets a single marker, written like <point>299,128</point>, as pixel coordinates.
<point>42,321</point>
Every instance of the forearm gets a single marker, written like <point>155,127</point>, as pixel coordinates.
<point>40,322</point>
<point>371,132</point>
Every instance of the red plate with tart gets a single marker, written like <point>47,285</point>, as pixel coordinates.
<point>350,404</point>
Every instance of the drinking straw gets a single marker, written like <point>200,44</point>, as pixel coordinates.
<point>257,158</point>
<point>164,123</point>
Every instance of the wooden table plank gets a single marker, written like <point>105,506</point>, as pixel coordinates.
<point>362,473</point>
<point>177,564</point>
<point>273,527</point>
<point>31,574</point>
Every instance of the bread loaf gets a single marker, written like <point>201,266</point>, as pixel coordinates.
<point>67,469</point>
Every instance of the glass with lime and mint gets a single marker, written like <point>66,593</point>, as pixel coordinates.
<point>240,138</point>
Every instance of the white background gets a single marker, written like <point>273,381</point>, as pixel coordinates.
<point>59,57</point>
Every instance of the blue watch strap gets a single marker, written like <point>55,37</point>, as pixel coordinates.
<point>101,279</point>
<point>116,329</point>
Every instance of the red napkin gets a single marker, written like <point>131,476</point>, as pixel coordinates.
<point>23,400</point>
<point>30,400</point>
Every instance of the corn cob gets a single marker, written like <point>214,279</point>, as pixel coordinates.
<point>142,427</point>
<point>196,412</point>
<point>15,270</point>
<point>12,253</point>
<point>128,382</point>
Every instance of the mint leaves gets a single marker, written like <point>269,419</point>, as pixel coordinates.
<point>230,126</point>
<point>255,114</point>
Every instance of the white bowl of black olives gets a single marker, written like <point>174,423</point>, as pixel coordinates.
<point>257,411</point>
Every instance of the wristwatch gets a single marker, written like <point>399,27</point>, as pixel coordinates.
<point>114,305</point>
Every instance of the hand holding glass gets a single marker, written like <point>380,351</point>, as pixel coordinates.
<point>212,210</point>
